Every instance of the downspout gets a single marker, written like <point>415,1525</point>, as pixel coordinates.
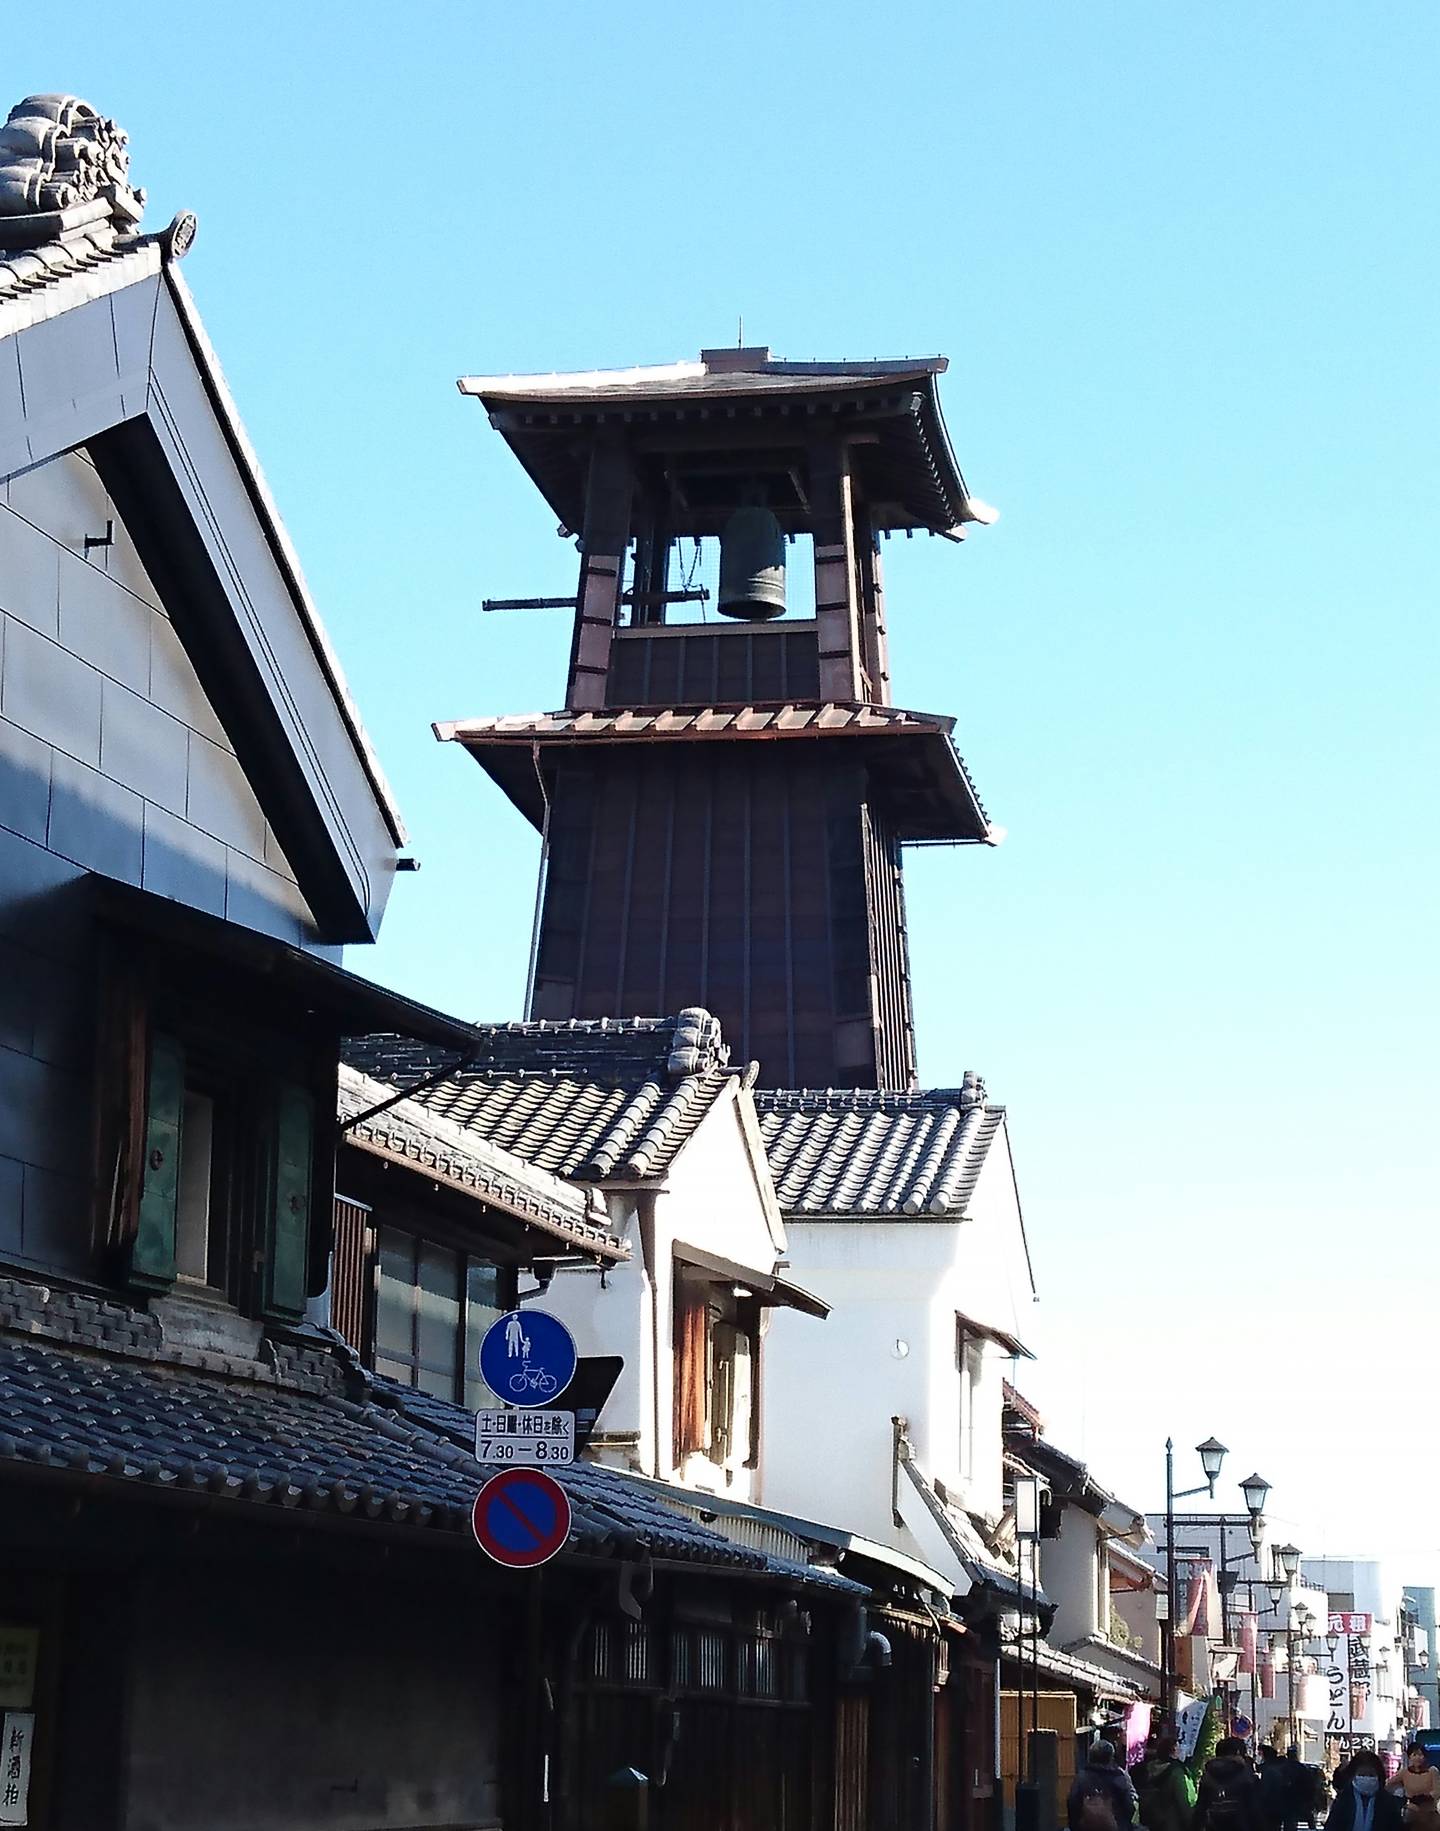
<point>539,885</point>
<point>645,1209</point>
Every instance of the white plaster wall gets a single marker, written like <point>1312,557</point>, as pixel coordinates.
<point>613,1317</point>
<point>1069,1573</point>
<point>712,1201</point>
<point>831,1391</point>
<point>830,1394</point>
<point>712,1197</point>
<point>111,755</point>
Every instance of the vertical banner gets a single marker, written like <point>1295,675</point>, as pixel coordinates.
<point>1337,1682</point>
<point>1137,1732</point>
<point>1189,1721</point>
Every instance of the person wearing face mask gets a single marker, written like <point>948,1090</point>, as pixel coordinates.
<point>1362,1804</point>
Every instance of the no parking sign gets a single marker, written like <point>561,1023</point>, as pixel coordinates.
<point>521,1518</point>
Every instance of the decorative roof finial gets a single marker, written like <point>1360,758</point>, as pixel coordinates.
<point>64,167</point>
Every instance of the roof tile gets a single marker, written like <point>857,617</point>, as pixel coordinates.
<point>387,1453</point>
<point>857,1154</point>
<point>587,1099</point>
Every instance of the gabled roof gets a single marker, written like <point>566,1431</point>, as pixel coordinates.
<point>906,465</point>
<point>101,348</point>
<point>612,1097</point>
<point>1069,1478</point>
<point>921,777</point>
<point>855,1154</point>
<point>408,1135</point>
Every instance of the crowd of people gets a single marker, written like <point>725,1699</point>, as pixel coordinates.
<point>1232,1793</point>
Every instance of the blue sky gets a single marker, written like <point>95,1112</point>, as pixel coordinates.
<point>1183,261</point>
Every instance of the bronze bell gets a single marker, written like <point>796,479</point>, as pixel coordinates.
<point>752,566</point>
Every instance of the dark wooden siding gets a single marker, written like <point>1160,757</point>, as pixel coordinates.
<point>727,1721</point>
<point>741,666</point>
<point>738,878</point>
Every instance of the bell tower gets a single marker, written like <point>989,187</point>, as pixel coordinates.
<point>724,803</point>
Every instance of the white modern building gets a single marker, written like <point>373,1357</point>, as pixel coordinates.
<point>1371,1703</point>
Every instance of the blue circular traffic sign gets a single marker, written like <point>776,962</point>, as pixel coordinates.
<point>528,1358</point>
<point>521,1518</point>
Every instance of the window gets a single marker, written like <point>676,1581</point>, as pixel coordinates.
<point>715,1343</point>
<point>970,1361</point>
<point>432,1306</point>
<point>224,1183</point>
<point>193,1197</point>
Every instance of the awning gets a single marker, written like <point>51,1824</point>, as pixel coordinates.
<point>357,1005</point>
<point>1072,1672</point>
<point>769,1290</point>
<point>986,1331</point>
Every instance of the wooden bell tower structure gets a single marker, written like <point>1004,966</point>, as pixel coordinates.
<point>724,801</point>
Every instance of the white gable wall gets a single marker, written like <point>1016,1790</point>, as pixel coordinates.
<point>710,1200</point>
<point>1074,1572</point>
<point>112,756</point>
<point>831,1390</point>
<point>888,1349</point>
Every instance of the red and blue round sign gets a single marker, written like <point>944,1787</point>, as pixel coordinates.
<point>521,1518</point>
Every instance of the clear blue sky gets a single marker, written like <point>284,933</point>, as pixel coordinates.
<point>1183,261</point>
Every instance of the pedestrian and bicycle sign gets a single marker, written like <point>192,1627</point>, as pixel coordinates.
<point>525,1437</point>
<point>528,1358</point>
<point>521,1518</point>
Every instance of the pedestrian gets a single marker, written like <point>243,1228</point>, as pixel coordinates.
<point>1361,1803</point>
<point>1229,1797</point>
<point>1102,1797</point>
<point>1165,1789</point>
<point>1307,1789</point>
<point>1277,1796</point>
<point>1419,1784</point>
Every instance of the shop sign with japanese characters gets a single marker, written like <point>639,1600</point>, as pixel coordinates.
<point>19,1734</point>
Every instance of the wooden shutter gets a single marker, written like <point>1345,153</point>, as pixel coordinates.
<point>691,1370</point>
<point>351,1272</point>
<point>286,1249</point>
<point>152,1257</point>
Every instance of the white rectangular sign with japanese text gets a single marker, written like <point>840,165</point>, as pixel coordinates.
<point>515,1438</point>
<point>19,1733</point>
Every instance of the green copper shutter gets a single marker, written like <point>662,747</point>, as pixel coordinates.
<point>287,1247</point>
<point>152,1257</point>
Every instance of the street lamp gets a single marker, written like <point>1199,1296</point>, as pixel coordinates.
<point>1289,1556</point>
<point>1212,1454</point>
<point>1256,1490</point>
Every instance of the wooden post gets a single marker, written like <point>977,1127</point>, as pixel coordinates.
<point>874,640</point>
<point>602,568</point>
<point>836,611</point>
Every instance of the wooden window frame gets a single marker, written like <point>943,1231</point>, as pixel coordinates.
<point>378,1226</point>
<point>703,1381</point>
<point>228,1037</point>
